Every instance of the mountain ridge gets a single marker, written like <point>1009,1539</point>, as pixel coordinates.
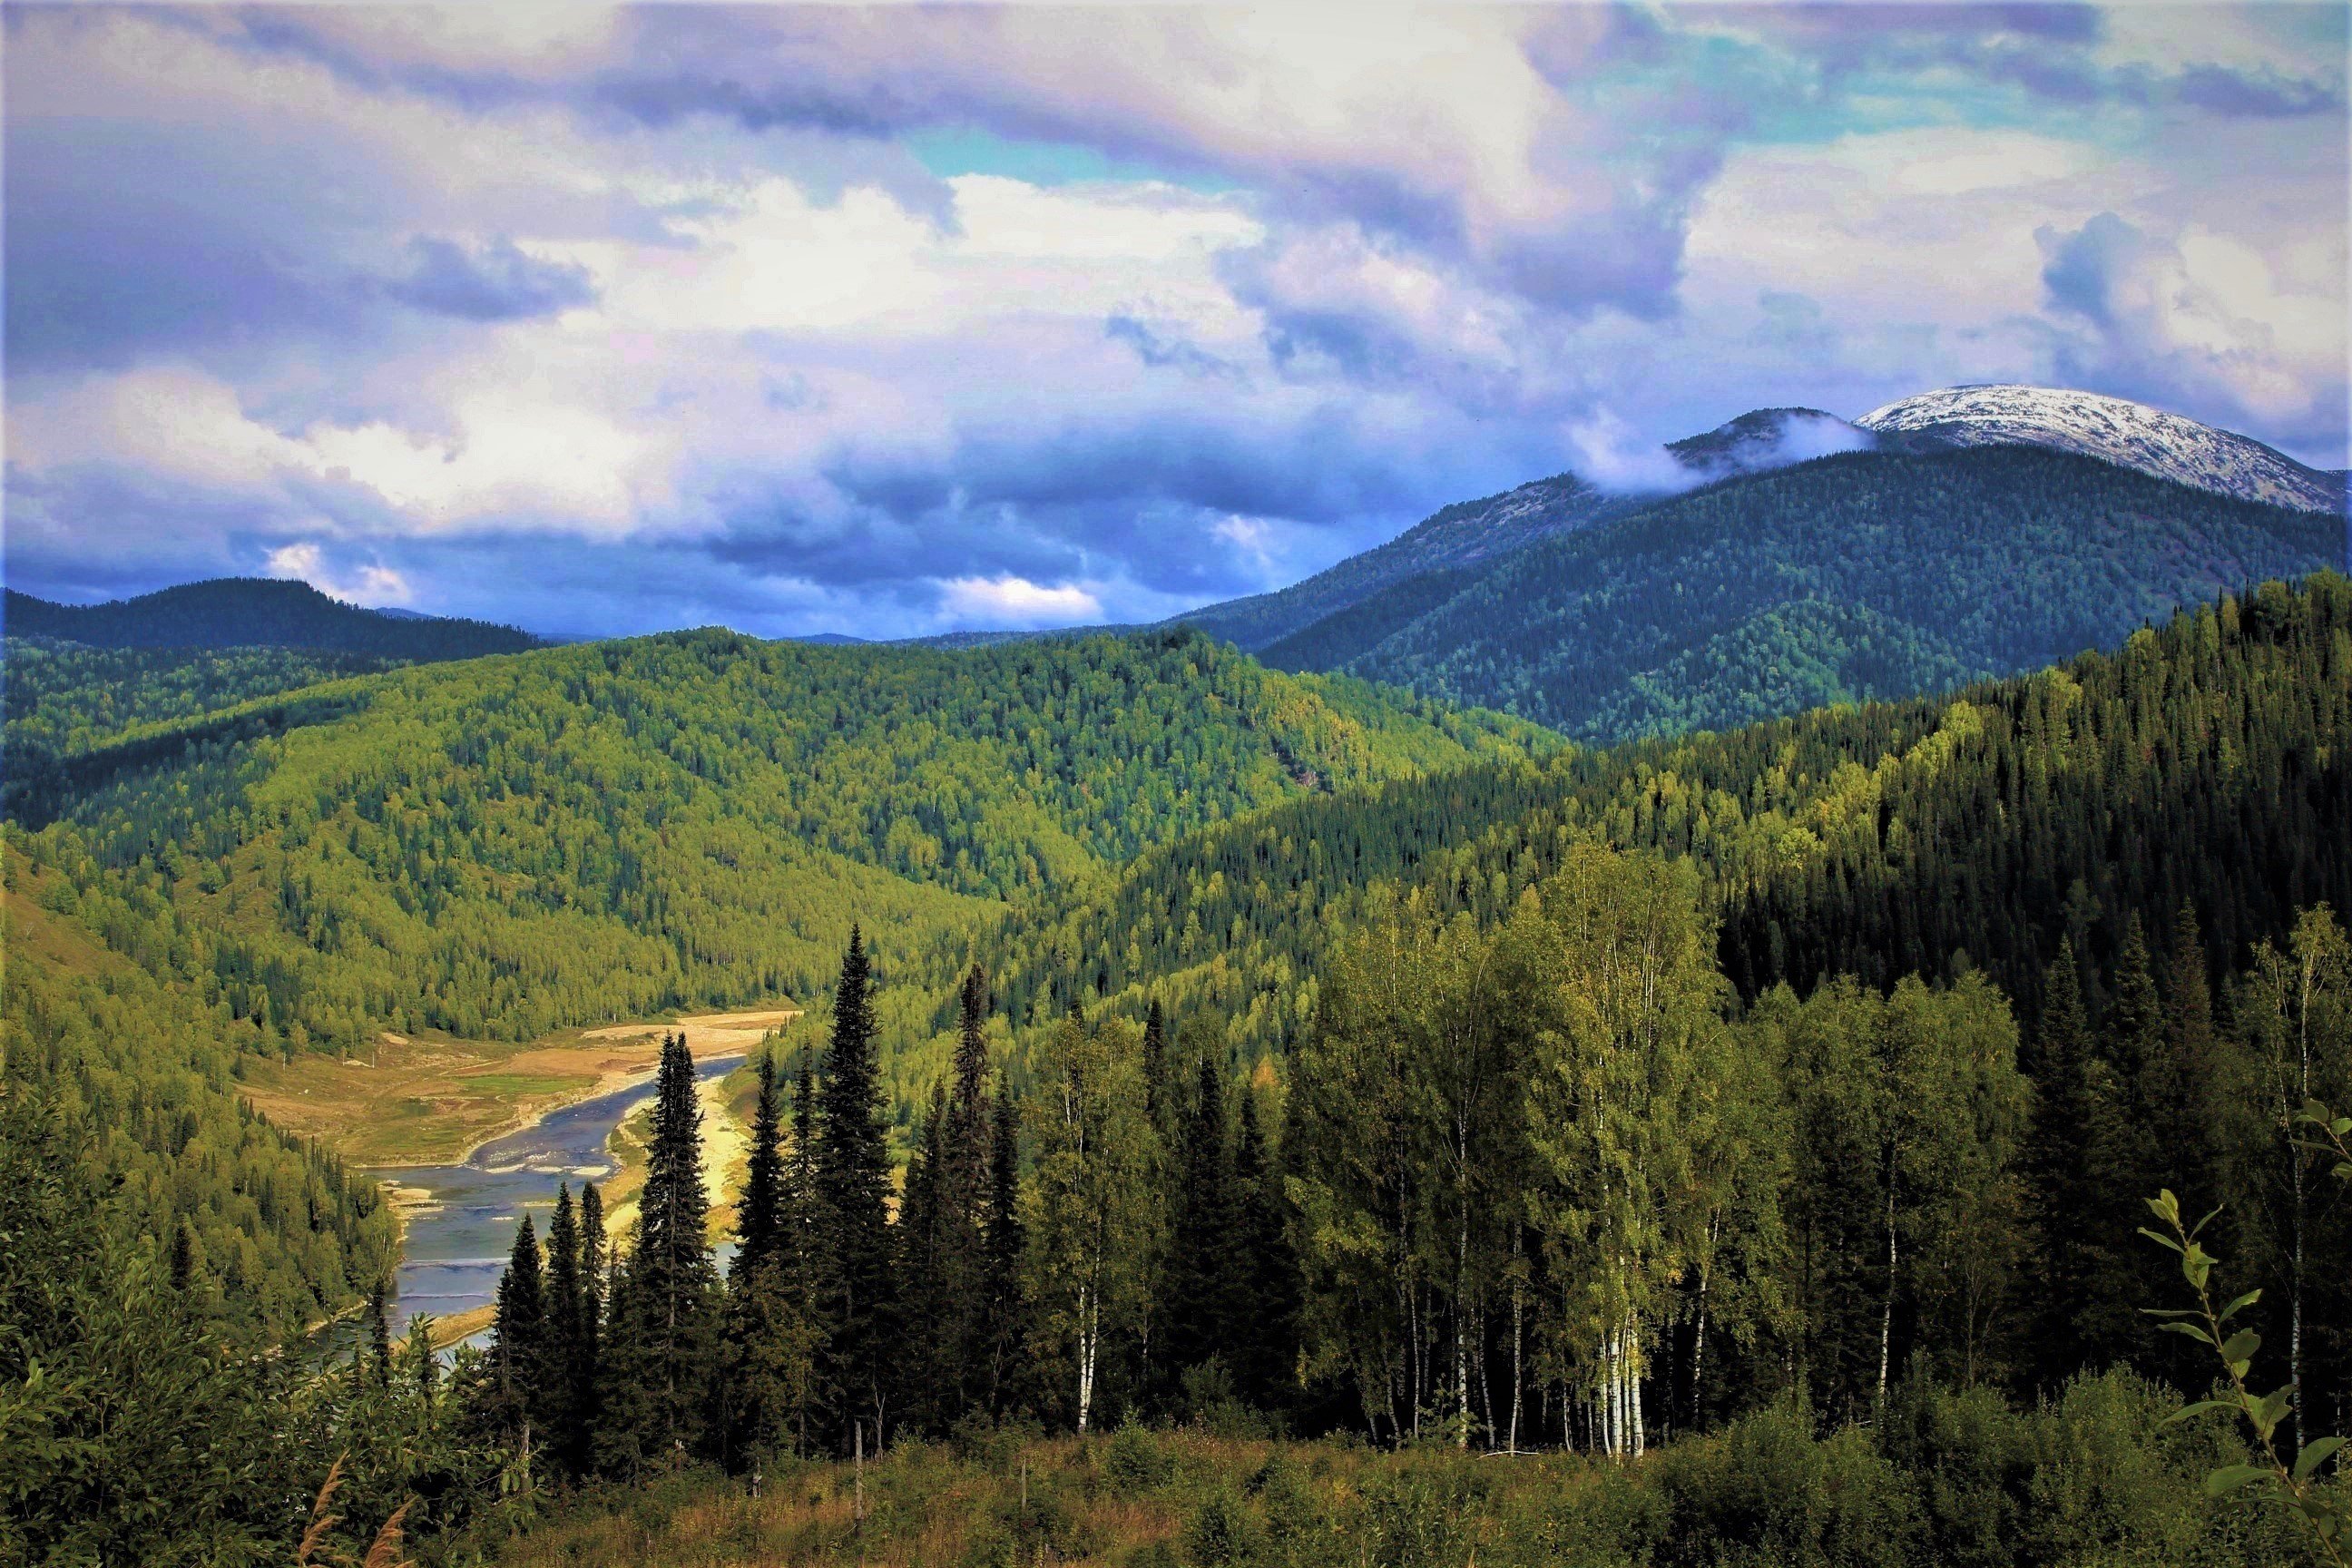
<point>257,612</point>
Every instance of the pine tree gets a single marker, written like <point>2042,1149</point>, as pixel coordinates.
<point>852,1173</point>
<point>759,1214</point>
<point>379,1336</point>
<point>671,1290</point>
<point>1156,1100</point>
<point>1001,1292</point>
<point>2121,1160</point>
<point>1265,1335</point>
<point>558,1373</point>
<point>519,1331</point>
<point>1205,1284</point>
<point>2058,1167</point>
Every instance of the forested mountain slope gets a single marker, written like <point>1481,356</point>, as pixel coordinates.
<point>2209,761</point>
<point>247,612</point>
<point>64,698</point>
<point>1854,577</point>
<point>105,1033</point>
<point>1457,538</point>
<point>503,845</point>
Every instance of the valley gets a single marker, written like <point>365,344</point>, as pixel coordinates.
<point>1196,1044</point>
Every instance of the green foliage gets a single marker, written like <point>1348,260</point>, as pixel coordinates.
<point>1865,577</point>
<point>2208,763</point>
<point>63,697</point>
<point>2297,1484</point>
<point>271,1233</point>
<point>507,845</point>
<point>250,612</point>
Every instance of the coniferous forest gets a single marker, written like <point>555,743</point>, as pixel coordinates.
<point>1391,1136</point>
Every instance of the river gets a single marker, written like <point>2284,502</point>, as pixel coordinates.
<point>458,1241</point>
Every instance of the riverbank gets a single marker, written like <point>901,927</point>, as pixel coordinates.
<point>433,1099</point>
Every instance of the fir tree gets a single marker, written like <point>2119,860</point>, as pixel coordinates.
<point>852,1173</point>
<point>1204,1280</point>
<point>379,1336</point>
<point>2058,1167</point>
<point>672,1285</point>
<point>1001,1289</point>
<point>1155,1065</point>
<point>518,1328</point>
<point>1265,1335</point>
<point>558,1372</point>
<point>759,1214</point>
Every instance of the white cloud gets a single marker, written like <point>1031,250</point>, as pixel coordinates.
<point>373,584</point>
<point>1009,601</point>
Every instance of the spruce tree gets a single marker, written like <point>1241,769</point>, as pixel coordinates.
<point>558,1371</point>
<point>672,1282</point>
<point>854,1186</point>
<point>380,1335</point>
<point>1202,1281</point>
<point>1007,1312</point>
<point>2123,1162</point>
<point>926,1304</point>
<point>767,1340</point>
<point>587,1347</point>
<point>1156,1097</point>
<point>2058,1168</point>
<point>758,1227</point>
<point>961,1264</point>
<point>519,1331</point>
<point>1265,1335</point>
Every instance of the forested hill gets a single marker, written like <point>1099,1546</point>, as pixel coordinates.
<point>257,612</point>
<point>502,846</point>
<point>2206,764</point>
<point>1871,574</point>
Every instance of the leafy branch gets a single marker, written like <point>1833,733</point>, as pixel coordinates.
<point>2296,1486</point>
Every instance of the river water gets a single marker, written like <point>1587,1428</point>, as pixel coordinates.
<point>458,1242</point>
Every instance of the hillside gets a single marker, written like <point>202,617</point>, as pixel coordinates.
<point>1878,840</point>
<point>64,698</point>
<point>250,612</point>
<point>1859,576</point>
<point>1443,546</point>
<point>506,845</point>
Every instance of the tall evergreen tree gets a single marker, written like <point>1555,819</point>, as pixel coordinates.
<point>769,1340</point>
<point>379,1324</point>
<point>1156,1100</point>
<point>1265,1335</point>
<point>557,1376</point>
<point>759,1214</point>
<point>671,1294</point>
<point>1205,1280</point>
<point>587,1346</point>
<point>2065,1207</point>
<point>2123,1162</point>
<point>852,1172</point>
<point>1002,1285</point>
<point>519,1329</point>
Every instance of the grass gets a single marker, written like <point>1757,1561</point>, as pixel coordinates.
<point>429,1098</point>
<point>2091,1478</point>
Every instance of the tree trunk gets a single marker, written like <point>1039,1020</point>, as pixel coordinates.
<point>1886,1311</point>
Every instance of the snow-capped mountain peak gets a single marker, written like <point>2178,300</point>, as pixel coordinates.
<point>2132,435</point>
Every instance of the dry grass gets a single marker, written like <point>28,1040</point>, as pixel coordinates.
<point>1128,1500</point>
<point>431,1099</point>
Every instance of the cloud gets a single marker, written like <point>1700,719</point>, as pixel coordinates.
<point>2194,315</point>
<point>621,318</point>
<point>495,282</point>
<point>1016,602</point>
<point>375,585</point>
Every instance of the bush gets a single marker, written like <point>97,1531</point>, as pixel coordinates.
<point>1136,1461</point>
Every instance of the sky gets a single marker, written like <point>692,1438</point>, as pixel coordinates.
<point>889,321</point>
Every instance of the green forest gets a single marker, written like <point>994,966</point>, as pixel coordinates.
<point>1241,1118</point>
<point>1870,576</point>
